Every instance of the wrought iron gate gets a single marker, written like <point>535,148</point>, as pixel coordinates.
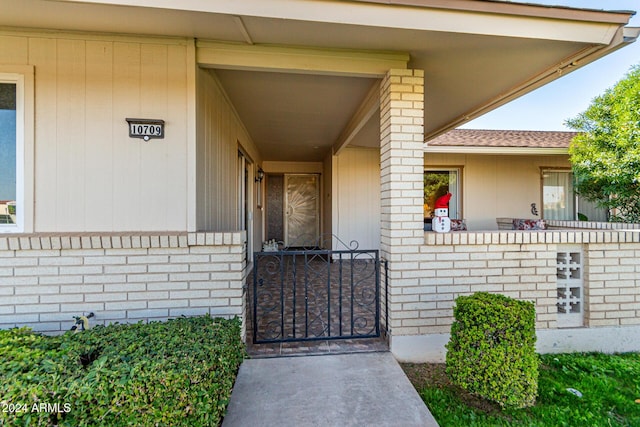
<point>307,295</point>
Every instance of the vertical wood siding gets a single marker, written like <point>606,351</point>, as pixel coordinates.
<point>90,176</point>
<point>358,198</point>
<point>219,136</point>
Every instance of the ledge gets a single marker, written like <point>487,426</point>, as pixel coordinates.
<point>55,241</point>
<point>590,225</point>
<point>531,237</point>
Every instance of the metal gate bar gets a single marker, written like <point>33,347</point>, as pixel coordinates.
<point>341,291</point>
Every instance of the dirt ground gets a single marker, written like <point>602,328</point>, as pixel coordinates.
<point>433,374</point>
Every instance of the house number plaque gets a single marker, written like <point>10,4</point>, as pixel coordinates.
<point>146,128</point>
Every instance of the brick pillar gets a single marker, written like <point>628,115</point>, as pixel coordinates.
<point>402,194</point>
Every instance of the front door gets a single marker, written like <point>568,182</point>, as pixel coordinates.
<point>301,210</point>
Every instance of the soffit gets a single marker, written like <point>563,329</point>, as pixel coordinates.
<point>473,60</point>
<point>293,117</point>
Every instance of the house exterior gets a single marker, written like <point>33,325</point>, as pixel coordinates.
<point>507,173</point>
<point>157,147</point>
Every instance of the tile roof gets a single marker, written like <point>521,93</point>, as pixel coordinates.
<point>503,138</point>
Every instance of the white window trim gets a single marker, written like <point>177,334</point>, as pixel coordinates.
<point>23,77</point>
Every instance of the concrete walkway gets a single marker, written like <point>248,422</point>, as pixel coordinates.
<point>361,389</point>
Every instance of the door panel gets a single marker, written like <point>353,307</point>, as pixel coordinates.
<point>302,210</point>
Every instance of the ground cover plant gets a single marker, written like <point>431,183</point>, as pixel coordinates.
<point>609,386</point>
<point>179,372</point>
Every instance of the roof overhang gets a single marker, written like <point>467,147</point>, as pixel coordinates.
<point>477,55</point>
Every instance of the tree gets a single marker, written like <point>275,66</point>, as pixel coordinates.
<point>605,155</point>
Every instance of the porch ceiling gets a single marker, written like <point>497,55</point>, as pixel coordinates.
<point>294,117</point>
<point>477,55</point>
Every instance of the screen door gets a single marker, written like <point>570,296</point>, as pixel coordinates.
<point>302,210</point>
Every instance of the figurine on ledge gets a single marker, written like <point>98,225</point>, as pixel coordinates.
<point>441,222</point>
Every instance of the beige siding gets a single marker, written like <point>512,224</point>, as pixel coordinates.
<point>216,158</point>
<point>492,186</point>
<point>220,134</point>
<point>357,202</point>
<point>90,176</point>
<point>293,167</point>
<point>497,186</point>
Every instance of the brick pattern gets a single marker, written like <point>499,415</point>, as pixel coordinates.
<point>45,280</point>
<point>427,271</point>
<point>401,164</point>
<point>553,224</point>
<point>532,237</point>
<point>116,240</point>
<point>437,275</point>
<point>591,225</point>
<point>518,264</point>
<point>612,284</point>
<point>401,157</point>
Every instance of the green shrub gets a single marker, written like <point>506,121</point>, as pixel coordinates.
<point>492,349</point>
<point>179,372</point>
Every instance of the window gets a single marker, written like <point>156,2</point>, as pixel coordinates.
<point>16,145</point>
<point>8,155</point>
<point>560,202</point>
<point>437,183</point>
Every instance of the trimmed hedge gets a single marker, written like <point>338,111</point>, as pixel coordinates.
<point>492,349</point>
<point>179,372</point>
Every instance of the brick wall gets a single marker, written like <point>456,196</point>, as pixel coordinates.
<point>401,181</point>
<point>47,279</point>
<point>444,272</point>
<point>519,264</point>
<point>613,284</point>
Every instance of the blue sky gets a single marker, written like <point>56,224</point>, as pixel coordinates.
<point>548,107</point>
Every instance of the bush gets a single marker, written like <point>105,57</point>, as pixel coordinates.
<point>492,349</point>
<point>180,372</point>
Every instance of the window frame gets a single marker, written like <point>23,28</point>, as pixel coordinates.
<point>575,196</point>
<point>544,170</point>
<point>23,78</point>
<point>459,185</point>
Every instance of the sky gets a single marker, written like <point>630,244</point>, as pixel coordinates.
<point>548,107</point>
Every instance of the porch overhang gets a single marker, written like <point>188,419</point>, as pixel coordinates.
<point>294,59</point>
<point>476,55</point>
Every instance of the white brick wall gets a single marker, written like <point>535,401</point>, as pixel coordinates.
<point>46,280</point>
<point>427,271</point>
<point>401,162</point>
<point>422,297</point>
<point>464,269</point>
<point>612,283</point>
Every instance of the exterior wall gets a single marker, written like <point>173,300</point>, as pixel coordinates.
<point>326,195</point>
<point>90,176</point>
<point>220,134</point>
<point>401,185</point>
<point>293,167</point>
<point>45,280</point>
<point>357,197</point>
<point>491,186</point>
<point>521,265</point>
<point>497,186</point>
